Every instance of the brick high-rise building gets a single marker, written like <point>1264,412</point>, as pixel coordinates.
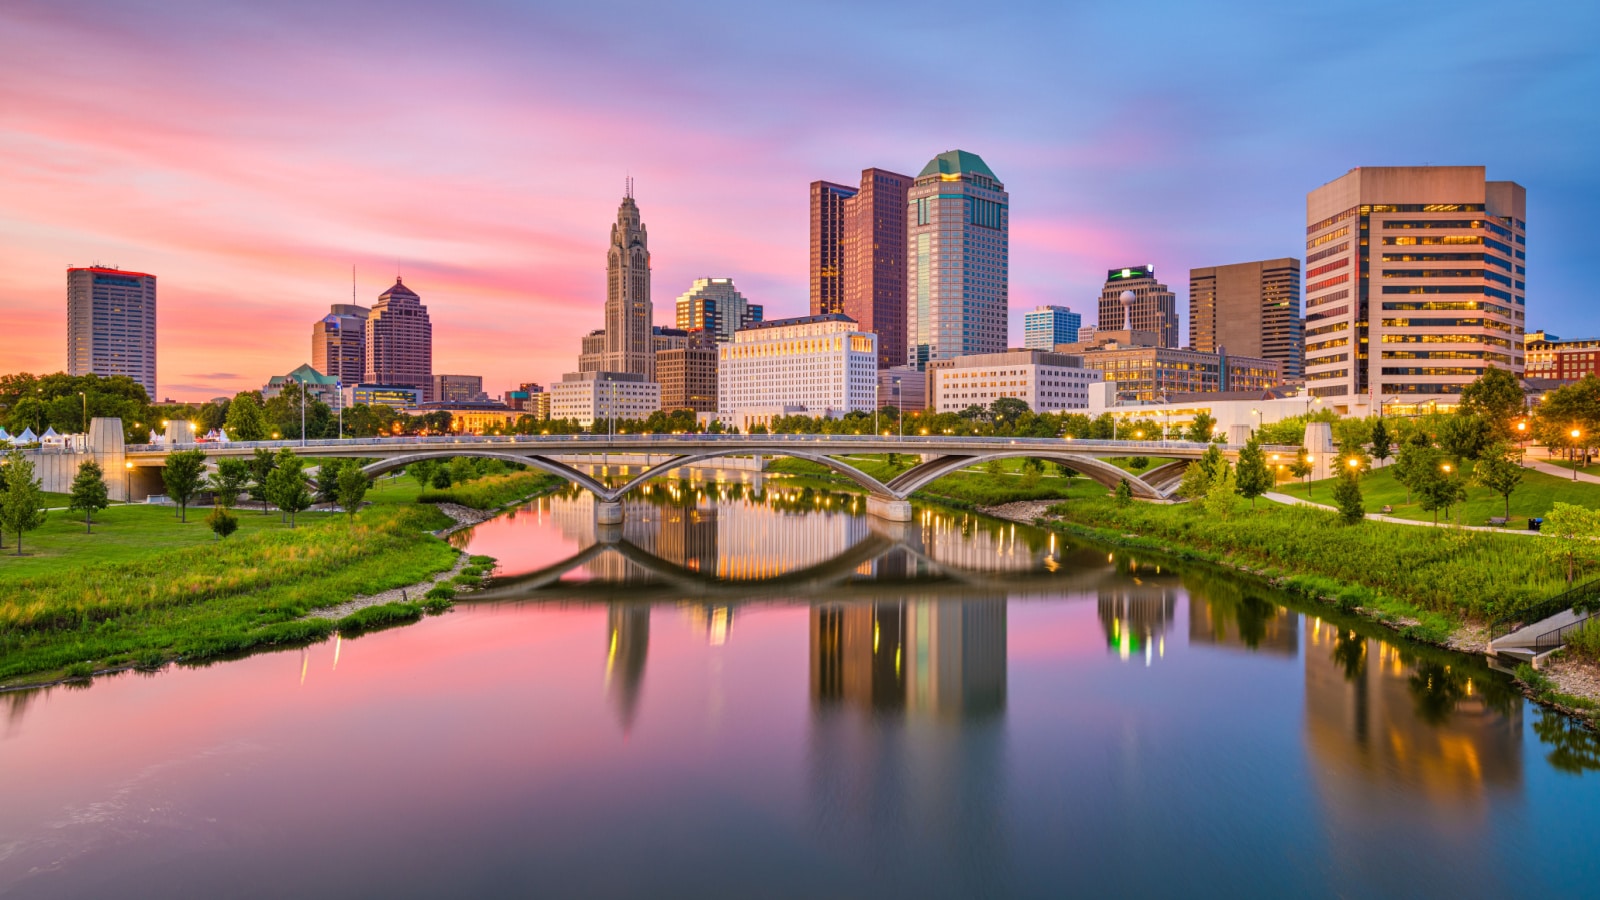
<point>400,341</point>
<point>875,261</point>
<point>1249,309</point>
<point>1415,283</point>
<point>957,260</point>
<point>688,373</point>
<point>827,246</point>
<point>111,324</point>
<point>1154,308</point>
<point>339,343</point>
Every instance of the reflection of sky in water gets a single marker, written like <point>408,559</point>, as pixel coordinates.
<point>883,737</point>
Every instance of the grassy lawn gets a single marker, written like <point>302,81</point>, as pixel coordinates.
<point>1534,497</point>
<point>966,488</point>
<point>1422,579</point>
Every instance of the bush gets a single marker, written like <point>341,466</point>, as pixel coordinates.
<point>492,491</point>
<point>1585,641</point>
<point>379,616</point>
<point>440,592</point>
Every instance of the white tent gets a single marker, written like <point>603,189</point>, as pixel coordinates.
<point>27,437</point>
<point>222,435</point>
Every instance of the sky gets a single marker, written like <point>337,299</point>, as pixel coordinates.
<point>250,154</point>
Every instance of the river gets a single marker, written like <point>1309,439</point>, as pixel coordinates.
<point>770,694</point>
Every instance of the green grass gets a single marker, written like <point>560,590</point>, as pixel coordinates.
<point>1421,578</point>
<point>1591,469</point>
<point>493,491</point>
<point>116,598</point>
<point>1533,497</point>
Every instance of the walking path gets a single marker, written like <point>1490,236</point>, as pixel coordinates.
<point>1558,471</point>
<point>1378,517</point>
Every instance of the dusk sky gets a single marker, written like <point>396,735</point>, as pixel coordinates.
<point>248,154</point>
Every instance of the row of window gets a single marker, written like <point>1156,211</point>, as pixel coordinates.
<point>1431,241</point>
<point>1490,355</point>
<point>1450,323</point>
<point>1327,282</point>
<point>1324,254</point>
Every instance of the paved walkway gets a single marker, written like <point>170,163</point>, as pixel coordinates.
<point>1377,517</point>
<point>1559,472</point>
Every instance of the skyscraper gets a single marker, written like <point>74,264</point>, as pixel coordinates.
<point>1048,326</point>
<point>629,314</point>
<point>875,261</point>
<point>111,324</point>
<point>715,305</point>
<point>1415,283</point>
<point>1154,307</point>
<point>827,246</point>
<point>339,343</point>
<point>957,259</point>
<point>400,341</point>
<point>1249,309</point>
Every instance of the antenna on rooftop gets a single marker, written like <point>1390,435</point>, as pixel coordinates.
<point>628,190</point>
<point>352,284</point>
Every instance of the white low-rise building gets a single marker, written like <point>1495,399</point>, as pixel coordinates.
<point>1046,381</point>
<point>825,364</point>
<point>1229,410</point>
<point>586,396</point>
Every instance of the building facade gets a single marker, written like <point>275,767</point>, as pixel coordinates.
<point>1152,306</point>
<point>902,387</point>
<point>395,396</point>
<point>1047,326</point>
<point>827,246</point>
<point>1250,308</point>
<point>875,261</point>
<point>1415,283</point>
<point>715,305</point>
<point>111,324</point>
<point>472,417</point>
<point>825,363</point>
<point>586,396</point>
<point>458,389</point>
<point>1145,372</point>
<point>629,313</point>
<point>1548,357</point>
<point>339,343</point>
<point>688,374</point>
<point>1046,381</point>
<point>958,221</point>
<point>399,341</point>
<point>316,386</point>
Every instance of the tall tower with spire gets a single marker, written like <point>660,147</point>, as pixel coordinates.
<point>629,313</point>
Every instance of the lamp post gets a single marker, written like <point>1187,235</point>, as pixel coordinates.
<point>899,408</point>
<point>1575,435</point>
<point>1522,441</point>
<point>127,482</point>
<point>302,413</point>
<point>85,397</point>
<point>338,388</point>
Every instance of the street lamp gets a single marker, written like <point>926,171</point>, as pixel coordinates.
<point>1575,435</point>
<point>85,411</point>
<point>1522,440</point>
<point>127,482</point>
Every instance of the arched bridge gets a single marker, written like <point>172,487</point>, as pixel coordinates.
<point>939,456</point>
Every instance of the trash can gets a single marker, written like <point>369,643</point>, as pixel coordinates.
<point>1535,524</point>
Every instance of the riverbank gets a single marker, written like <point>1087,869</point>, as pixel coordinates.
<point>1570,684</point>
<point>151,606</point>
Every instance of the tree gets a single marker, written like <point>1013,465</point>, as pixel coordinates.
<point>1496,398</point>
<point>1302,468</point>
<point>246,421</point>
<point>1222,495</point>
<point>1254,476</point>
<point>441,478</point>
<point>261,466</point>
<point>1574,530</point>
<point>352,489</point>
<point>22,506</point>
<point>1200,429</point>
<point>1124,492</point>
<point>288,488</point>
<point>328,480</point>
<point>1197,478</point>
<point>1464,436</point>
<point>1347,496</point>
<point>1437,488</point>
<point>89,494</point>
<point>1380,441</point>
<point>1498,471</point>
<point>222,522</point>
<point>229,481</point>
<point>422,470</point>
<point>1139,463</point>
<point>183,475</point>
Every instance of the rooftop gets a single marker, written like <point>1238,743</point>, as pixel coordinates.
<point>798,320</point>
<point>957,162</point>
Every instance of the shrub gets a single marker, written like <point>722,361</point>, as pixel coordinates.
<point>378,616</point>
<point>440,592</point>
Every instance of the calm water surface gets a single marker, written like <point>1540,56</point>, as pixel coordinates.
<point>775,696</point>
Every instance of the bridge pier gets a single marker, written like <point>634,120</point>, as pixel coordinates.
<point>607,512</point>
<point>890,509</point>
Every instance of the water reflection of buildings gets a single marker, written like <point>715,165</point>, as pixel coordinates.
<point>916,656</point>
<point>628,643</point>
<point>1136,616</point>
<point>1388,729</point>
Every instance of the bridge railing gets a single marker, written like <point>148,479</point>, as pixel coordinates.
<point>951,442</point>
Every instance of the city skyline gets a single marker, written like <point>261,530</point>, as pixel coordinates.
<point>254,189</point>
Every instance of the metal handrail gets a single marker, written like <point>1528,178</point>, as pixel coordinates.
<point>1553,637</point>
<point>1583,598</point>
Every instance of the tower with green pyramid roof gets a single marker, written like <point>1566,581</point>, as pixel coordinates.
<point>958,260</point>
